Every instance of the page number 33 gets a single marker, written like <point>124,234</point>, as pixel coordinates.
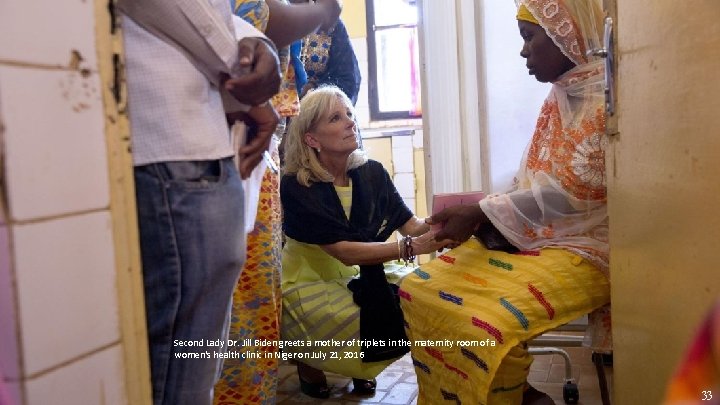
<point>707,395</point>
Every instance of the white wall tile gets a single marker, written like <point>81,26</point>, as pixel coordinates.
<point>66,288</point>
<point>54,140</point>
<point>9,359</point>
<point>402,142</point>
<point>43,31</point>
<point>410,202</point>
<point>403,158</point>
<point>94,380</point>
<point>405,184</point>
<point>418,140</point>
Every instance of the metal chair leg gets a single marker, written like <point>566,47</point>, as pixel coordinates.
<point>571,394</point>
<point>597,359</point>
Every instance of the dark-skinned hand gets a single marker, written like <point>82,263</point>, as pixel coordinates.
<point>458,222</point>
<point>261,121</point>
<point>332,9</point>
<point>257,76</point>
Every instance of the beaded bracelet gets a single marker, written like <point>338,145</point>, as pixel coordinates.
<point>409,256</point>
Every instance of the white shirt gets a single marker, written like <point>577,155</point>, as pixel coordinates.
<point>175,52</point>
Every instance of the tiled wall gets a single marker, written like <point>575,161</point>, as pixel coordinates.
<point>60,335</point>
<point>402,156</point>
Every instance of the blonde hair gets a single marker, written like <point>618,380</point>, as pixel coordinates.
<point>300,158</point>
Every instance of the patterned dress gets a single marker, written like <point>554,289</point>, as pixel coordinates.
<point>251,375</point>
<point>329,59</point>
<point>256,309</point>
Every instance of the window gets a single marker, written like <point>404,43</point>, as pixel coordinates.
<point>393,59</point>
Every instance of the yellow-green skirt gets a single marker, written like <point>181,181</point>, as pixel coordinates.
<point>478,307</point>
<point>320,321</point>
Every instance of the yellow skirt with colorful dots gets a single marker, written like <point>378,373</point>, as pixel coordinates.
<point>470,310</point>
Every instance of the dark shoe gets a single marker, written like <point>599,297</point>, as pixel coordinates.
<point>315,390</point>
<point>318,390</point>
<point>531,396</point>
<point>364,387</point>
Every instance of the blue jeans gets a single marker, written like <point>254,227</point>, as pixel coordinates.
<point>192,244</point>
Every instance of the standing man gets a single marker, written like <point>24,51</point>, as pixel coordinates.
<point>180,56</point>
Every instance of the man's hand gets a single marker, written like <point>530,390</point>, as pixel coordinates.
<point>459,222</point>
<point>332,13</point>
<point>263,119</point>
<point>257,77</point>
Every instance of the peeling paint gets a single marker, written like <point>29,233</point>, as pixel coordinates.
<point>79,90</point>
<point>75,59</point>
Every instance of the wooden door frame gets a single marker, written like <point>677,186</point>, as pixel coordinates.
<point>131,300</point>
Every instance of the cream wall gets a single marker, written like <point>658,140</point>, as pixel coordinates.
<point>353,16</point>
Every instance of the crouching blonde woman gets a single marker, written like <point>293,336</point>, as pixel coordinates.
<point>339,210</point>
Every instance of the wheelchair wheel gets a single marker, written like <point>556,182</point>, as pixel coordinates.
<point>571,395</point>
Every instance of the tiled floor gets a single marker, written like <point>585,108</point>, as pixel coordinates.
<point>397,384</point>
<point>548,372</point>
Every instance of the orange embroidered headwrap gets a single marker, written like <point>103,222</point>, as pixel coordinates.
<point>523,14</point>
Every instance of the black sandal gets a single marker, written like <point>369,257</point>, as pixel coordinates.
<point>364,387</point>
<point>318,390</point>
<point>315,390</point>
